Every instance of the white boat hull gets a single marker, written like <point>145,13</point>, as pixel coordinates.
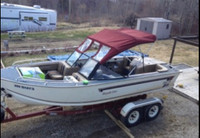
<point>46,93</point>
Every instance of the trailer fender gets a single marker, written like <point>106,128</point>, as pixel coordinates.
<point>139,104</point>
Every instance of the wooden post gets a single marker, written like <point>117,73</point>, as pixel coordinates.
<point>6,45</point>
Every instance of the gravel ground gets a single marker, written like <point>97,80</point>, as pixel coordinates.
<point>179,118</point>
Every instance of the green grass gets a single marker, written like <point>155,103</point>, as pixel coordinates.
<point>184,54</point>
<point>60,35</point>
<point>161,49</point>
<point>4,36</point>
<point>55,35</point>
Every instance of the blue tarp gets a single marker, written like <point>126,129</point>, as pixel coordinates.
<point>124,53</point>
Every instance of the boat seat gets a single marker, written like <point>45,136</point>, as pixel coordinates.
<point>119,66</point>
<point>145,69</point>
<point>78,76</point>
<point>62,69</point>
<point>70,71</point>
<point>135,67</point>
<point>150,68</point>
<point>161,68</point>
<point>57,74</point>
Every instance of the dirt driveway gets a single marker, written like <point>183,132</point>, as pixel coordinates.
<point>179,118</point>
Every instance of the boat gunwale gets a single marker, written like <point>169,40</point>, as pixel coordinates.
<point>93,82</point>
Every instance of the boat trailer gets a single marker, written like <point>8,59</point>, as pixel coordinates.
<point>129,109</point>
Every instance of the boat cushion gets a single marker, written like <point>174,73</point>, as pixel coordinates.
<point>69,71</point>
<point>59,73</point>
<point>145,69</point>
<point>61,68</point>
<point>161,68</point>
<point>55,75</point>
<point>150,68</point>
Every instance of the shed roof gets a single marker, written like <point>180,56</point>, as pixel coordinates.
<point>155,19</point>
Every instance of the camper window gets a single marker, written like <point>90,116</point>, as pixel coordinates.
<point>42,19</point>
<point>26,18</point>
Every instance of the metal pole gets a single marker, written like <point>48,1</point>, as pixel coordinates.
<point>142,58</point>
<point>172,54</point>
<point>187,41</point>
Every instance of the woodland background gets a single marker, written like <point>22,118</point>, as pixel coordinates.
<point>183,13</point>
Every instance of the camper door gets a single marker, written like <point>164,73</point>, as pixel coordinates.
<point>34,21</point>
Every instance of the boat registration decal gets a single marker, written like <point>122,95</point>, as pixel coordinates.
<point>109,92</point>
<point>24,87</point>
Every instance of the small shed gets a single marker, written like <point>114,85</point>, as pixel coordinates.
<point>158,26</point>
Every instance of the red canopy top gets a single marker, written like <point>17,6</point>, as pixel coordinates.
<point>120,40</point>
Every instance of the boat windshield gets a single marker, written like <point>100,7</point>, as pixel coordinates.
<point>102,52</point>
<point>88,67</point>
<point>73,58</point>
<point>85,45</point>
<point>92,70</point>
<point>87,49</point>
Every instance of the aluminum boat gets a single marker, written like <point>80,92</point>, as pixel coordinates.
<point>84,80</point>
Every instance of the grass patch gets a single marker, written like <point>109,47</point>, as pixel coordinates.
<point>64,31</point>
<point>4,36</point>
<point>55,35</point>
<point>162,49</point>
<point>60,35</point>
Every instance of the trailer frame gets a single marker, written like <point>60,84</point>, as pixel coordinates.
<point>114,107</point>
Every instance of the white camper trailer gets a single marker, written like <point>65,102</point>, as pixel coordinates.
<point>26,18</point>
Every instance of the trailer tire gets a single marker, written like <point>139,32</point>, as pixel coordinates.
<point>2,114</point>
<point>152,111</point>
<point>133,118</point>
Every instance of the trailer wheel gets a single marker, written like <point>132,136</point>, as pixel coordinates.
<point>152,111</point>
<point>132,118</point>
<point>2,114</point>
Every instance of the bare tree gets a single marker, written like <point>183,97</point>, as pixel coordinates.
<point>183,13</point>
